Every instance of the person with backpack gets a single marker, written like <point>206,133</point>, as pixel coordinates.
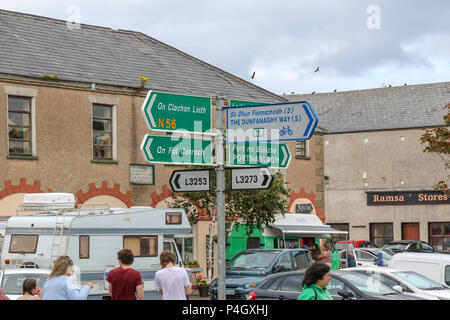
<point>315,282</point>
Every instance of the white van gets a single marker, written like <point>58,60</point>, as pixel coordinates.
<point>435,266</point>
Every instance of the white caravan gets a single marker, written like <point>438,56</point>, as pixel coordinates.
<point>92,238</point>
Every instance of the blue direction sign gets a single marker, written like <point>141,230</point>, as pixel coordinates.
<point>271,122</point>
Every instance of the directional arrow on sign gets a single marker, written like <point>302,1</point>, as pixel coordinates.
<point>271,122</point>
<point>190,180</point>
<point>176,150</point>
<point>251,179</point>
<point>177,112</point>
<point>263,154</point>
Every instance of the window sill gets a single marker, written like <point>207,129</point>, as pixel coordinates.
<point>104,161</point>
<point>17,157</point>
<point>302,158</point>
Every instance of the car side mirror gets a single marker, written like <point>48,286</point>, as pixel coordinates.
<point>345,294</point>
<point>398,288</point>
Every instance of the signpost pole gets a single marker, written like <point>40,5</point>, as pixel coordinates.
<point>220,193</point>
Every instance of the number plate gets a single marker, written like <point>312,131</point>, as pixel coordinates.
<point>229,292</point>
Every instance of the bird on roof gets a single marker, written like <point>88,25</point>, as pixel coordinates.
<point>317,70</point>
<point>253,75</point>
<point>335,90</point>
<point>313,92</point>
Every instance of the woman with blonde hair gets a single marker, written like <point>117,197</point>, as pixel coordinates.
<point>61,286</point>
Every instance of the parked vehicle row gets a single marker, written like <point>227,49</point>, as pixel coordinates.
<point>366,257</point>
<point>250,267</point>
<point>348,285</point>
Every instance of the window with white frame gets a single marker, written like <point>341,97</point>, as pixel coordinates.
<point>20,125</point>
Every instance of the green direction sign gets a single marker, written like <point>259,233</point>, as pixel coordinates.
<point>176,112</point>
<point>259,154</point>
<point>240,103</point>
<point>176,150</point>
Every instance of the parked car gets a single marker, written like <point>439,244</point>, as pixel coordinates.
<point>409,245</point>
<point>11,280</point>
<point>365,257</point>
<point>344,285</point>
<point>341,245</point>
<point>250,267</point>
<point>435,266</point>
<point>408,282</point>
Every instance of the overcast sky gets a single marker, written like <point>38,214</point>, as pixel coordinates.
<point>356,44</point>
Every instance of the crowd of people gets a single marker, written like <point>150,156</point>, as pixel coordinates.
<point>125,283</point>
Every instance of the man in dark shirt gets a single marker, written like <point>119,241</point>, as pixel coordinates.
<point>125,283</point>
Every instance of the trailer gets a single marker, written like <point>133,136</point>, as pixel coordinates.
<point>91,237</point>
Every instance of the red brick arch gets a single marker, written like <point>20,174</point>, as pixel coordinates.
<point>22,187</point>
<point>311,197</point>
<point>82,197</point>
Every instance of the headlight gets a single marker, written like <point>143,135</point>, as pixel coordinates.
<point>246,286</point>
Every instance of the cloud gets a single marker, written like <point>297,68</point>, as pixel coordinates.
<point>284,41</point>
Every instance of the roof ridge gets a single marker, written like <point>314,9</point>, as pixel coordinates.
<point>371,89</point>
<point>206,64</point>
<point>137,34</point>
<point>43,18</point>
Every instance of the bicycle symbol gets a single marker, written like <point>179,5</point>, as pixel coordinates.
<point>286,130</point>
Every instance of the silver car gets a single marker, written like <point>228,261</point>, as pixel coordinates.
<point>11,280</point>
<point>366,257</point>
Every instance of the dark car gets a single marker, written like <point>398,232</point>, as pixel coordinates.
<point>250,267</point>
<point>409,245</point>
<point>344,285</point>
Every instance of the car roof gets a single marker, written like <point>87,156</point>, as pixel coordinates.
<point>26,270</point>
<point>423,255</point>
<point>298,272</point>
<point>379,269</point>
<point>403,241</point>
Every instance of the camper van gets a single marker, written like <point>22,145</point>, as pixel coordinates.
<point>91,237</point>
<point>289,231</point>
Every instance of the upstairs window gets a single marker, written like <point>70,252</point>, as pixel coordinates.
<point>19,125</point>
<point>301,149</point>
<point>102,123</point>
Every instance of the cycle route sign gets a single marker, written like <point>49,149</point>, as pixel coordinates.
<point>270,122</point>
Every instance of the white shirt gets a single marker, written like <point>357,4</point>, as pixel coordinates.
<point>172,282</point>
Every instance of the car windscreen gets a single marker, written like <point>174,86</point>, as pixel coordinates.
<point>386,254</point>
<point>12,283</point>
<point>367,283</point>
<point>397,246</point>
<point>252,260</point>
<point>419,281</point>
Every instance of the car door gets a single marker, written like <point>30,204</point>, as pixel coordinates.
<point>290,287</point>
<point>364,258</point>
<point>337,285</point>
<point>284,263</point>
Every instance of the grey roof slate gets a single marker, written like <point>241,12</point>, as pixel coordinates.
<point>410,106</point>
<point>35,46</point>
